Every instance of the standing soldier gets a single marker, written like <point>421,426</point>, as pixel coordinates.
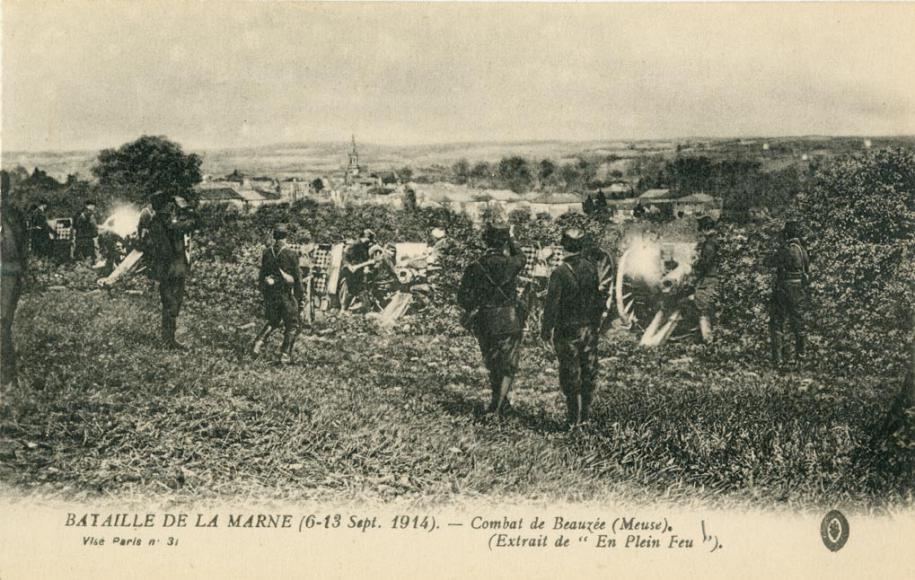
<point>356,259</point>
<point>13,253</point>
<point>85,228</point>
<point>40,232</point>
<point>280,282</point>
<point>792,268</point>
<point>706,275</point>
<point>489,297</point>
<point>571,317</point>
<point>169,263</point>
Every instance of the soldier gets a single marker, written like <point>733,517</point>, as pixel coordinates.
<point>488,295</point>
<point>169,263</point>
<point>85,227</point>
<point>281,285</point>
<point>571,317</point>
<point>706,275</point>
<point>357,259</point>
<point>40,233</point>
<point>13,254</point>
<point>792,267</point>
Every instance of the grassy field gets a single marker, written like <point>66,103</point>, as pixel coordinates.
<point>102,410</point>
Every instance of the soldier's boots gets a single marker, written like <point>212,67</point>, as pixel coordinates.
<point>777,354</point>
<point>259,340</point>
<point>586,407</point>
<point>500,403</point>
<point>169,329</point>
<point>288,345</point>
<point>573,410</point>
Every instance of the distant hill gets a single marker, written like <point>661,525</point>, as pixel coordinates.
<point>312,159</point>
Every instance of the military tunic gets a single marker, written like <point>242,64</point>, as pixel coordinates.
<point>281,298</point>
<point>489,289</point>
<point>13,257</point>
<point>789,293</point>
<point>166,253</point>
<point>85,228</point>
<point>571,316</point>
<point>39,233</point>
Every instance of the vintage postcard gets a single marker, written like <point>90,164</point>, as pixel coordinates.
<point>457,290</point>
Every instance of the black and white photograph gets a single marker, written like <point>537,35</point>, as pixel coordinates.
<point>469,289</point>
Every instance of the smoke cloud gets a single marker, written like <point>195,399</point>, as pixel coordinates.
<point>122,221</point>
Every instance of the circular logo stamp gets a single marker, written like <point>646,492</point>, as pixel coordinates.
<point>834,530</point>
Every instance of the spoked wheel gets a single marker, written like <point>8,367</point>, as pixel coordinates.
<point>533,298</point>
<point>636,301</point>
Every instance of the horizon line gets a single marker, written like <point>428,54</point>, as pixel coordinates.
<point>347,142</point>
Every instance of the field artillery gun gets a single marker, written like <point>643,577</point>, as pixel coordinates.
<point>395,278</point>
<point>653,289</point>
<point>648,284</point>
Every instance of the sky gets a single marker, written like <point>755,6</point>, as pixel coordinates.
<point>84,75</point>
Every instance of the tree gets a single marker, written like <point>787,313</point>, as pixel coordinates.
<point>317,184</point>
<point>571,176</point>
<point>691,174</point>
<point>546,170</point>
<point>461,171</point>
<point>139,169</point>
<point>406,174</point>
<point>515,174</point>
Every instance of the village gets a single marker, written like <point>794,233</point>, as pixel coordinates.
<point>357,184</point>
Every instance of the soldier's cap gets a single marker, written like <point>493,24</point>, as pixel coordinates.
<point>496,234</point>
<point>573,240</point>
<point>280,231</point>
<point>42,201</point>
<point>706,223</point>
<point>89,202</point>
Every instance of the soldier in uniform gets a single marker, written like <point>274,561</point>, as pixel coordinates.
<point>166,248</point>
<point>40,232</point>
<point>792,268</point>
<point>280,282</point>
<point>706,275</point>
<point>85,228</point>
<point>488,295</point>
<point>13,254</point>
<point>571,317</point>
<point>355,264</point>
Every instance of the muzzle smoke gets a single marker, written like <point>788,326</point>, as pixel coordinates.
<point>122,221</point>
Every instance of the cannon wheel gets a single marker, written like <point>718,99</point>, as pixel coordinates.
<point>533,296</point>
<point>632,310</point>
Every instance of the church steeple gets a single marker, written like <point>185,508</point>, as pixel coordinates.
<point>353,159</point>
